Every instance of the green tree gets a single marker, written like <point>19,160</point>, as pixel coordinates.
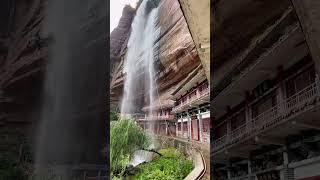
<point>125,138</point>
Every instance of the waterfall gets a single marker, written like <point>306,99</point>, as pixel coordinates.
<point>71,129</point>
<point>140,60</point>
<point>139,68</point>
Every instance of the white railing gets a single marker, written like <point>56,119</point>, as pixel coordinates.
<point>145,117</point>
<point>191,99</point>
<point>273,116</point>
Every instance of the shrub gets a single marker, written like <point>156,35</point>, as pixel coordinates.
<point>114,115</point>
<point>172,165</point>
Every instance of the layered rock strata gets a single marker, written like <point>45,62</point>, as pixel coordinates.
<point>176,55</point>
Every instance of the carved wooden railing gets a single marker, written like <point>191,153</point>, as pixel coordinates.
<point>298,103</point>
<point>199,95</point>
<point>144,117</point>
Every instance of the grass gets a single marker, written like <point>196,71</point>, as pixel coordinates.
<point>171,166</point>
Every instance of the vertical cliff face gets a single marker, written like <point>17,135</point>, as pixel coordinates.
<point>118,42</point>
<point>23,52</point>
<point>197,14</point>
<point>119,36</point>
<point>176,53</point>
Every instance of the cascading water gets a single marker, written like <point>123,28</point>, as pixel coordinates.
<point>139,67</point>
<point>140,60</point>
<point>72,128</point>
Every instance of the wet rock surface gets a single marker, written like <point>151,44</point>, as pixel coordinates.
<point>176,53</point>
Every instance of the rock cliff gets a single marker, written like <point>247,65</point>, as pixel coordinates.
<point>197,14</point>
<point>177,54</point>
<point>119,36</point>
<point>118,42</point>
<point>23,54</point>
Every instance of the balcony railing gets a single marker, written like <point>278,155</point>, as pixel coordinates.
<point>199,95</point>
<point>149,118</point>
<point>298,103</point>
<point>135,116</point>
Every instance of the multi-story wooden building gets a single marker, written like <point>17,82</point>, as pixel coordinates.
<point>189,116</point>
<point>192,107</point>
<point>266,90</point>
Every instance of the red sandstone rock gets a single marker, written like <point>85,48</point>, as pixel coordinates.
<point>177,54</point>
<point>121,33</point>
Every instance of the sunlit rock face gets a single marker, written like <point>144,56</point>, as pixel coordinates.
<point>197,14</point>
<point>176,54</point>
<point>120,34</point>
<point>118,42</point>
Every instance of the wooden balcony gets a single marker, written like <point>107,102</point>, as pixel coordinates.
<point>144,117</point>
<point>301,102</point>
<point>195,100</point>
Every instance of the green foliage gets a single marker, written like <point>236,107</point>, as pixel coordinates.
<point>114,116</point>
<point>171,166</point>
<point>114,113</point>
<point>9,169</point>
<point>116,178</point>
<point>125,138</point>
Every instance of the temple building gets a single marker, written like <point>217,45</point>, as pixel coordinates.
<point>187,116</point>
<point>192,108</point>
<point>266,90</point>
